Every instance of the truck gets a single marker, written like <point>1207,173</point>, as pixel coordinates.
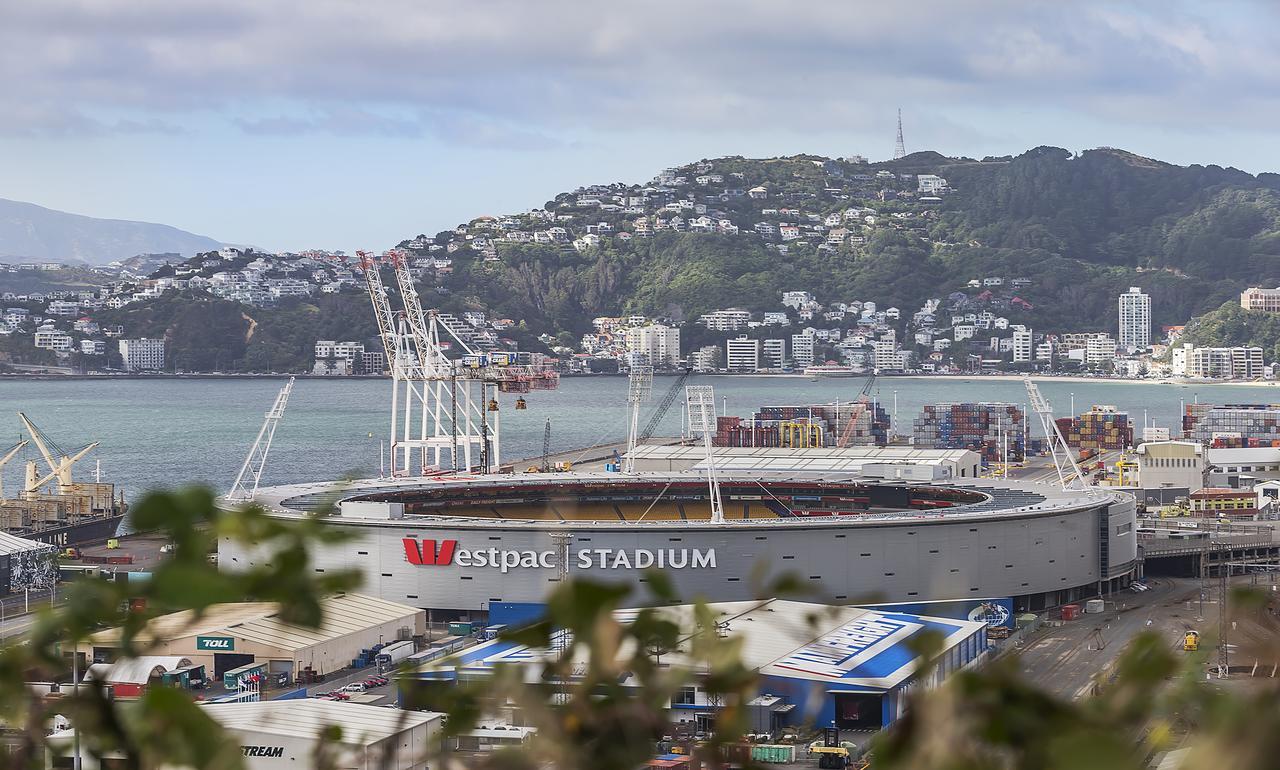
<point>392,654</point>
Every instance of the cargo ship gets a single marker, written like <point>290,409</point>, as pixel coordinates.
<point>52,507</point>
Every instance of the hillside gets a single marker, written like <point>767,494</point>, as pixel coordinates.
<point>1081,227</point>
<point>1232,325</point>
<point>33,233</point>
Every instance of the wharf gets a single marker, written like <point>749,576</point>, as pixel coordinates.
<point>592,458</point>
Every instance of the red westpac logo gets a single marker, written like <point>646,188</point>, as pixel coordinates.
<point>426,553</point>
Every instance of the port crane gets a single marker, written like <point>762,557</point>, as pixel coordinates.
<point>59,460</point>
<point>4,460</point>
<point>246,484</point>
<point>864,397</point>
<point>663,407</point>
<point>440,405</point>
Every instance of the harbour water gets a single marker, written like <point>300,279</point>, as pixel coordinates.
<point>170,432</point>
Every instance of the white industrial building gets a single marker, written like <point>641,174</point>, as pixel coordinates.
<point>1176,466</point>
<point>227,636</point>
<point>288,733</point>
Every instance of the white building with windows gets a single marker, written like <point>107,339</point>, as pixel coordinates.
<point>729,320</point>
<point>1023,346</point>
<point>660,344</point>
<point>802,350</point>
<point>774,352</point>
<point>742,354</point>
<point>142,354</point>
<point>1238,363</point>
<point>49,338</point>
<point>1135,320</point>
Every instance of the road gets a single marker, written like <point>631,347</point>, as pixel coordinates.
<point>1067,659</point>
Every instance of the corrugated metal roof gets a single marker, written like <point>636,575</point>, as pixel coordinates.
<point>344,614</point>
<point>10,544</point>
<point>361,724</point>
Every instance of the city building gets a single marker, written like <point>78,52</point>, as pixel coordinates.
<point>658,343</point>
<point>774,353</point>
<point>1220,502</point>
<point>1238,363</point>
<point>705,358</point>
<point>802,350</point>
<point>1265,300</point>
<point>930,184</point>
<point>1135,320</point>
<point>1023,347</point>
<point>49,338</point>
<point>142,354</point>
<point>742,354</point>
<point>730,320</point>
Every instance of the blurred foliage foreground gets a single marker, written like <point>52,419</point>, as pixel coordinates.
<point>601,701</point>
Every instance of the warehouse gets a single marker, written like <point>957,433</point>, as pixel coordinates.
<point>228,636</point>
<point>273,734</point>
<point>457,545</point>
<point>950,463</point>
<point>25,564</point>
<point>847,666</point>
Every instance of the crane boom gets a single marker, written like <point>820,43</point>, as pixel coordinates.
<point>381,307</point>
<point>63,472</point>
<point>663,407</point>
<point>39,438</point>
<point>428,357</point>
<point>5,461</point>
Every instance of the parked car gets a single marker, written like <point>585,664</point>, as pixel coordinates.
<point>355,687</point>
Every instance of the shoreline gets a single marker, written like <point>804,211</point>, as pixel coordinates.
<point>1072,378</point>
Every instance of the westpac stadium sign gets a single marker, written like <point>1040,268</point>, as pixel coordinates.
<point>443,553</point>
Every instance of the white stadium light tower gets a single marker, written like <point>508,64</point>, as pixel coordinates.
<point>701,401</point>
<point>639,388</point>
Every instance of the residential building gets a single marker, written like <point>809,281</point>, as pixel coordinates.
<point>730,320</point>
<point>1023,347</point>
<point>93,347</point>
<point>49,338</point>
<point>1238,363</point>
<point>658,343</point>
<point>1266,300</point>
<point>930,184</point>
<point>705,359</point>
<point>1178,360</point>
<point>802,350</point>
<point>1135,320</point>
<point>774,353</point>
<point>142,354</point>
<point>1099,349</point>
<point>742,354</point>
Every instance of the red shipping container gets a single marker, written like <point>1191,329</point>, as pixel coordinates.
<point>1070,611</point>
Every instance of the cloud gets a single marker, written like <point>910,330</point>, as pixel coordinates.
<point>514,74</point>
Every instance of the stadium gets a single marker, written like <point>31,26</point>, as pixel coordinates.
<point>462,546</point>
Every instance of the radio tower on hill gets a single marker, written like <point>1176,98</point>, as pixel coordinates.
<point>899,150</point>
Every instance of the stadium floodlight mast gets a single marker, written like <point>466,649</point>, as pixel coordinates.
<point>246,484</point>
<point>701,402</point>
<point>639,388</point>
<point>1069,475</point>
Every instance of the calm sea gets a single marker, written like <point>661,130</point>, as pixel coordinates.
<point>166,432</point>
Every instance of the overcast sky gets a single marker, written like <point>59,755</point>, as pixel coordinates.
<point>355,123</point>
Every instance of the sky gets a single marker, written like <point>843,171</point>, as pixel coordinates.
<point>345,124</point>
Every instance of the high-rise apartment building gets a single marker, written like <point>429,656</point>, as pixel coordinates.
<point>142,354</point>
<point>802,350</point>
<point>742,355</point>
<point>660,343</point>
<point>1135,320</point>
<point>774,352</point>
<point>1023,349</point>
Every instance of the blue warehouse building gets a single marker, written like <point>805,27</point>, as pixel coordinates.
<point>847,667</point>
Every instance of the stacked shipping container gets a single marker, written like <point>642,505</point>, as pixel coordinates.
<point>1100,428</point>
<point>1232,425</point>
<point>857,423</point>
<point>976,426</point>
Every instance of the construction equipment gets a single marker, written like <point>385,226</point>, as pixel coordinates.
<point>1191,641</point>
<point>639,388</point>
<point>58,460</point>
<point>256,460</point>
<point>1064,460</point>
<point>663,407</point>
<point>864,397</point>
<point>441,406</point>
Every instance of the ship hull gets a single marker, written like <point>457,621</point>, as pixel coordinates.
<point>88,531</point>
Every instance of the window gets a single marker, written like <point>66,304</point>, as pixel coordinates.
<point>687,696</point>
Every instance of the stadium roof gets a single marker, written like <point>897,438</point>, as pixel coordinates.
<point>344,614</point>
<point>850,648</point>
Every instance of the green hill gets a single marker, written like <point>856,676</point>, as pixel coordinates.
<point>1081,227</point>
